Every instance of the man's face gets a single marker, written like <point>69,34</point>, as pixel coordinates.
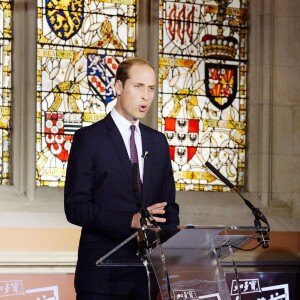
<point>136,95</point>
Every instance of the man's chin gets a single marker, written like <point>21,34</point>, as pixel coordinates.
<point>142,115</point>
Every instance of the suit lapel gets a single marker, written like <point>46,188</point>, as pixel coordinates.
<point>119,146</point>
<point>123,155</point>
<point>147,145</point>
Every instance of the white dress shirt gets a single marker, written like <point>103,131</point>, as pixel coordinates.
<point>124,128</point>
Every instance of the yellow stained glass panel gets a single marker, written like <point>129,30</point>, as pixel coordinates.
<point>5,90</point>
<point>80,44</point>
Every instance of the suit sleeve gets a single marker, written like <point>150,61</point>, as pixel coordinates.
<point>172,209</point>
<point>82,207</point>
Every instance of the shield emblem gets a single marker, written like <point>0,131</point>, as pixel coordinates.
<point>220,84</point>
<point>101,76</point>
<point>65,17</point>
<point>181,26</point>
<point>182,136</point>
<point>59,132</point>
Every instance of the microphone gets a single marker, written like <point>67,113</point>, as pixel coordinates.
<point>218,173</point>
<point>259,216</point>
<point>145,214</point>
<point>145,155</point>
<point>143,221</point>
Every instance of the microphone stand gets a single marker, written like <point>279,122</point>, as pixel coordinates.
<point>264,239</point>
<point>145,214</point>
<point>143,221</point>
<point>144,243</point>
<point>258,215</point>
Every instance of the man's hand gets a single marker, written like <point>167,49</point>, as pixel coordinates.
<point>154,210</point>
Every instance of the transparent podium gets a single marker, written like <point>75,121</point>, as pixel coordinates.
<point>188,265</point>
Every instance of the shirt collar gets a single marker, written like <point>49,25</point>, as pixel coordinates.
<point>122,123</point>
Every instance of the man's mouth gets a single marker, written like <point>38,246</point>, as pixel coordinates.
<point>142,108</point>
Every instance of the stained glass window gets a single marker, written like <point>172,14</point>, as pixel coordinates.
<point>5,89</point>
<point>80,44</point>
<point>202,89</point>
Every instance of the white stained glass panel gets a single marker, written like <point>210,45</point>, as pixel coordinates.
<point>202,90</point>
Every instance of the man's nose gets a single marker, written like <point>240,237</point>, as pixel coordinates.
<point>145,95</point>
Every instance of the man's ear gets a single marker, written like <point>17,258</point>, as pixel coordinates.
<point>118,87</point>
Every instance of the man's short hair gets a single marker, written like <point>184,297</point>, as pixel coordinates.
<point>124,67</point>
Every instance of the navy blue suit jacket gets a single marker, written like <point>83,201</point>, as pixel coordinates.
<point>99,198</point>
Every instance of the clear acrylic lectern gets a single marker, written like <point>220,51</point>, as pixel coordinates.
<point>187,266</point>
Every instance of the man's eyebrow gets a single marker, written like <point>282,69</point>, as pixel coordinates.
<point>142,83</point>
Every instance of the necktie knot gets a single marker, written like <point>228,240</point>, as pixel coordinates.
<point>132,128</point>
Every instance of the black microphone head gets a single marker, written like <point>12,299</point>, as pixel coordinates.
<point>219,175</point>
<point>265,245</point>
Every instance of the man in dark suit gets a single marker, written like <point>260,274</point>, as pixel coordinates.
<point>99,193</point>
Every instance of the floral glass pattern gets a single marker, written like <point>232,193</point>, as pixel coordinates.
<point>5,90</point>
<point>80,44</point>
<point>202,90</point>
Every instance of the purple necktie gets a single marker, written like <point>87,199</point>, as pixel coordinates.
<point>134,156</point>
